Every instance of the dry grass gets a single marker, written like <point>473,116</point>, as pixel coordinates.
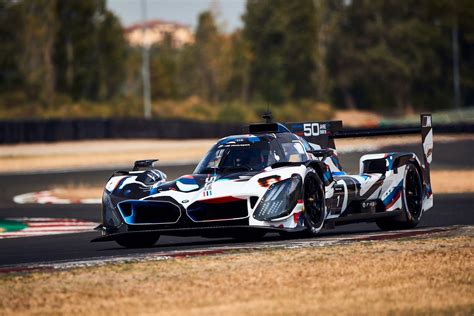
<point>462,181</point>
<point>390,277</point>
<point>357,118</point>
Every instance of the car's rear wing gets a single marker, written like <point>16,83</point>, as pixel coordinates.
<point>324,133</point>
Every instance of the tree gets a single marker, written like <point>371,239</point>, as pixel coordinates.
<point>163,70</point>
<point>387,53</point>
<point>239,76</point>
<point>112,50</point>
<point>301,48</point>
<point>10,15</point>
<point>90,50</point>
<point>283,39</point>
<point>264,29</point>
<point>37,43</point>
<point>207,55</point>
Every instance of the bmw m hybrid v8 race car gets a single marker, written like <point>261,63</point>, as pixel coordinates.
<point>284,178</point>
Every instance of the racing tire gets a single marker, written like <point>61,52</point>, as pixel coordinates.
<point>412,201</point>
<point>314,203</point>
<point>137,240</point>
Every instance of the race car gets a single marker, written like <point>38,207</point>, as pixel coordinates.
<point>284,178</point>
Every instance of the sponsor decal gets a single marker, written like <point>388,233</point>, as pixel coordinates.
<point>393,196</point>
<point>187,184</point>
<point>268,181</point>
<point>426,121</point>
<point>208,186</point>
<point>114,182</point>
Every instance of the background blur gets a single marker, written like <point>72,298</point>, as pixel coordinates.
<point>305,59</point>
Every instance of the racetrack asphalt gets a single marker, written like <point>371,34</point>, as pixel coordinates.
<point>449,209</point>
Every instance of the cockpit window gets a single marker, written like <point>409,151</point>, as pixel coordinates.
<point>239,157</point>
<point>294,152</point>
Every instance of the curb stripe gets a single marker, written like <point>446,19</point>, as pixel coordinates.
<point>48,226</point>
<point>58,225</point>
<point>41,233</point>
<point>48,229</point>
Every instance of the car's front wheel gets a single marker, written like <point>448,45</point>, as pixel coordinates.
<point>314,203</point>
<point>137,240</point>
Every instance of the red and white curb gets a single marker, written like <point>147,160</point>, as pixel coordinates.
<point>48,226</point>
<point>222,250</point>
<point>47,197</point>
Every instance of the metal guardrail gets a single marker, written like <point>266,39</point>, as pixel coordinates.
<point>28,131</point>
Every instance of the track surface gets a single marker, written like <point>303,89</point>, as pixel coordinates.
<point>449,210</point>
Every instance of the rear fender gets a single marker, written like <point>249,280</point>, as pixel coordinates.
<point>393,166</point>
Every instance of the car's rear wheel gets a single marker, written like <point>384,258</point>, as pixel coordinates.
<point>412,200</point>
<point>137,240</point>
<point>314,203</point>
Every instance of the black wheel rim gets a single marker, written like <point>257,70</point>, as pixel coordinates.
<point>413,193</point>
<point>313,202</point>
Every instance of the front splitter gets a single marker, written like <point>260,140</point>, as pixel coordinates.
<point>198,231</point>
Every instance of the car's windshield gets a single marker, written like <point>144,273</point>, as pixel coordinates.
<point>239,157</point>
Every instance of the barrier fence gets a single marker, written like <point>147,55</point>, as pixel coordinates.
<point>29,131</point>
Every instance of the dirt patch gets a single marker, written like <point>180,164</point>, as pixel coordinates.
<point>356,118</point>
<point>452,181</point>
<point>422,276</point>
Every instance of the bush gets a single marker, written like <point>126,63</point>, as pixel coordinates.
<point>14,106</point>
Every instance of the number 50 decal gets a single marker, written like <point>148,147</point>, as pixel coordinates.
<point>311,129</point>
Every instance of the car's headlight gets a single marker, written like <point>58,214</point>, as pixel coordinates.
<point>109,215</point>
<point>279,200</point>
